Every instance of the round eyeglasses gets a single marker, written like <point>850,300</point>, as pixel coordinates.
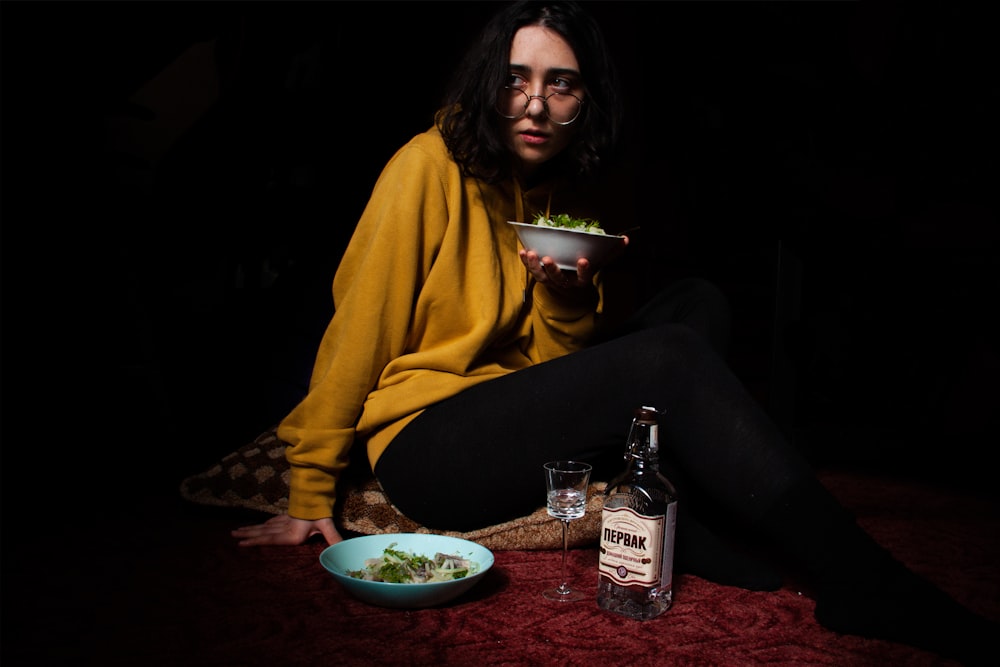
<point>561,108</point>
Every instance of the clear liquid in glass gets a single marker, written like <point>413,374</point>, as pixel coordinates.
<point>566,504</point>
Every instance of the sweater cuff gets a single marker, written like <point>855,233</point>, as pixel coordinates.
<point>312,494</point>
<point>566,307</point>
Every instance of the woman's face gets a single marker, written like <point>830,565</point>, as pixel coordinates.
<point>541,63</point>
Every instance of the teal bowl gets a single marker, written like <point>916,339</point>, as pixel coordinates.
<point>340,558</point>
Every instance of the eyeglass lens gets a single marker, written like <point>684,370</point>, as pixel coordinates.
<point>561,108</point>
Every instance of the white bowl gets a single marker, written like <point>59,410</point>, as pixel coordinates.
<point>338,559</point>
<point>565,246</point>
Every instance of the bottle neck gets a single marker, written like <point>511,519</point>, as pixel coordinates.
<point>643,449</point>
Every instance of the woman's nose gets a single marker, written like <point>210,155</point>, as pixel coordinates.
<point>536,106</point>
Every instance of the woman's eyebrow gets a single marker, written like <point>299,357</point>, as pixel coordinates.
<point>555,71</point>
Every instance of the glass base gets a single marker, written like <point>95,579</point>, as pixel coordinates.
<point>564,595</point>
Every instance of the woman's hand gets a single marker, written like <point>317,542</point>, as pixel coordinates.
<point>545,272</point>
<point>283,529</point>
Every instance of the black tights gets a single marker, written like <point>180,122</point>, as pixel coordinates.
<point>476,459</point>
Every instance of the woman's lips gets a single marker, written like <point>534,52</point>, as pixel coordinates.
<point>534,138</point>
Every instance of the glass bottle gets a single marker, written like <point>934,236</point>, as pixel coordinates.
<point>638,522</point>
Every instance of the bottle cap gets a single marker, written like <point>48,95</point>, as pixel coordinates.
<point>646,414</point>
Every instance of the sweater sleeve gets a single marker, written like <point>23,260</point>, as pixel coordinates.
<point>374,291</point>
<point>564,324</point>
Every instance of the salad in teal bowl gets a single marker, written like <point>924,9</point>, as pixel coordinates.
<point>407,570</point>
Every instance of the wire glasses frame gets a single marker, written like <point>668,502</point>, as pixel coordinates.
<point>567,105</point>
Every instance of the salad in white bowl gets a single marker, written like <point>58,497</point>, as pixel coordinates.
<point>566,239</point>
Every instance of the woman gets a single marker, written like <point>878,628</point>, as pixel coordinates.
<point>462,362</point>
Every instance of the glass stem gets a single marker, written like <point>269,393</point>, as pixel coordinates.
<point>564,587</point>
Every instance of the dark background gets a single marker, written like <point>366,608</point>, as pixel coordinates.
<point>180,179</point>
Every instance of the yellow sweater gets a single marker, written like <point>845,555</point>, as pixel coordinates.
<point>430,299</point>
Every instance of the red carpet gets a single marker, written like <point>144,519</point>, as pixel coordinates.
<point>198,599</point>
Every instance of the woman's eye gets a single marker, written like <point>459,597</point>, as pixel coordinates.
<point>561,85</point>
<point>516,81</point>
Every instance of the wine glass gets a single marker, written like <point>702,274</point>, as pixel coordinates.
<point>566,499</point>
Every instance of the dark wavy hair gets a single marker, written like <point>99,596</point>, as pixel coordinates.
<point>468,120</point>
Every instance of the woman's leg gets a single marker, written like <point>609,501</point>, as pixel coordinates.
<point>475,459</point>
<point>695,302</point>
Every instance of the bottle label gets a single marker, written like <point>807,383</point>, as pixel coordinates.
<point>636,549</point>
